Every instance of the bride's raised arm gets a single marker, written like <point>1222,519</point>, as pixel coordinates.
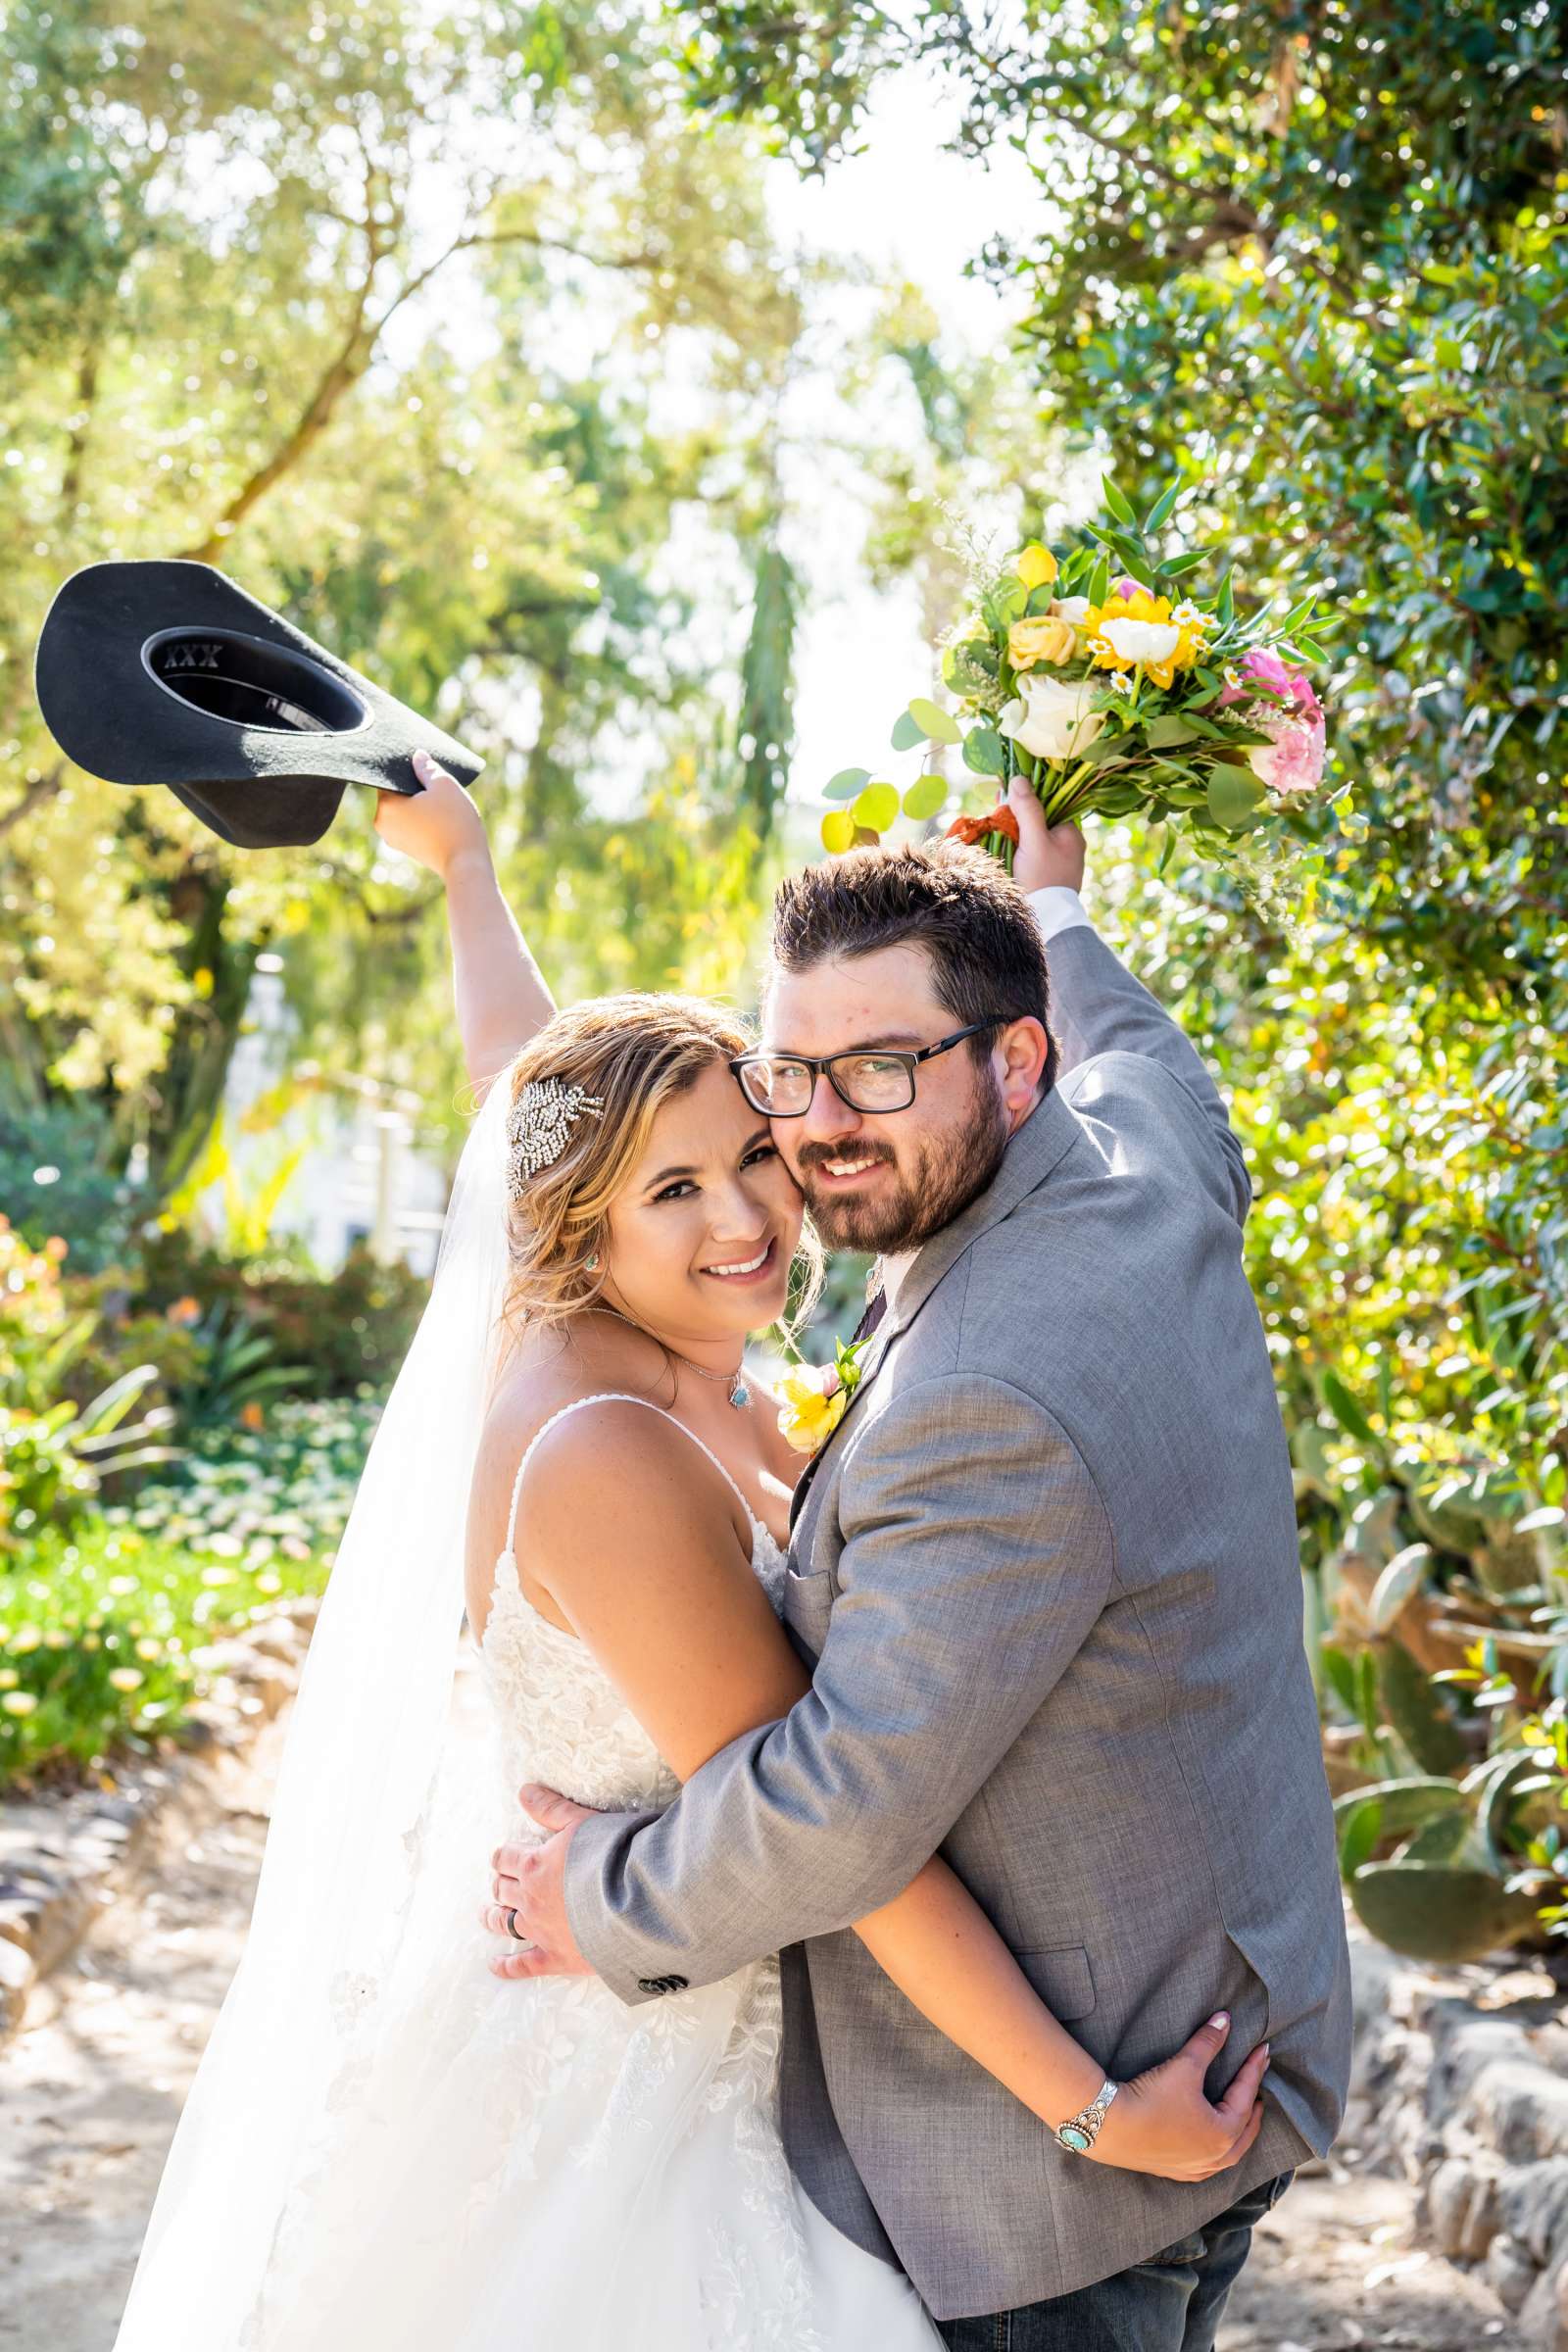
<point>647,1564</point>
<point>501,997</point>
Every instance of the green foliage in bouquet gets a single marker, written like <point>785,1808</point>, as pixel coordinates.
<point>1094,674</point>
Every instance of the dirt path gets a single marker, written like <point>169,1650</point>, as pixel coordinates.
<point>89,2094</point>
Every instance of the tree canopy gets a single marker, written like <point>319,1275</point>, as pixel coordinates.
<point>1313,260</point>
<point>454,337</point>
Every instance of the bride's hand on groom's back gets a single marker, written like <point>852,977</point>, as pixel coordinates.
<point>1164,2123</point>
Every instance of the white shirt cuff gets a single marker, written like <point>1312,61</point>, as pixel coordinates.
<point>1056,909</point>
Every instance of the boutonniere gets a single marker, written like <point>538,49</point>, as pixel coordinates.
<point>817,1396</point>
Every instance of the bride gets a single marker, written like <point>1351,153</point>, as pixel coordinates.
<point>387,2149</point>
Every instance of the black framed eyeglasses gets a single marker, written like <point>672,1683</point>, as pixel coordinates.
<point>873,1079</point>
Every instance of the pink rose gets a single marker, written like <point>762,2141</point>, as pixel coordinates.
<point>1260,667</point>
<point>1293,764</point>
<point>829,1383</point>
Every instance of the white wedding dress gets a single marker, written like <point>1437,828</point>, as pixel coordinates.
<point>533,2165</point>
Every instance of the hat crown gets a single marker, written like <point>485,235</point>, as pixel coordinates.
<point>246,682</point>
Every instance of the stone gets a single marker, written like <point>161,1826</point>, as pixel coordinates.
<point>1539,2324</point>
<point>1524,2108</point>
<point>280,1638</point>
<point>1447,2202</point>
<point>1532,2200</point>
<point>1482,2222</point>
<point>1510,2272</point>
<point>19,1915</point>
<point>17,1975</point>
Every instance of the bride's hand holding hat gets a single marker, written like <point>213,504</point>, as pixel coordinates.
<point>435,826</point>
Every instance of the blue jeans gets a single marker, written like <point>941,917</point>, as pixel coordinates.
<point>1171,2303</point>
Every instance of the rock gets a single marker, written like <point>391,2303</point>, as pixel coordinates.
<point>280,1638</point>
<point>42,1912</point>
<point>1523,2108</point>
<point>1481,2220</point>
<point>17,1975</point>
<point>270,1687</point>
<point>19,1915</point>
<point>1532,2201</point>
<point>1510,2272</point>
<point>1539,2321</point>
<point>1446,2202</point>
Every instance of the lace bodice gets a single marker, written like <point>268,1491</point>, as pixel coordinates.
<point>558,1717</point>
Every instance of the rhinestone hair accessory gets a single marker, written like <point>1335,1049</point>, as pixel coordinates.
<point>540,1126</point>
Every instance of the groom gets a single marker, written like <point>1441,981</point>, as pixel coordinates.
<point>1047,1571</point>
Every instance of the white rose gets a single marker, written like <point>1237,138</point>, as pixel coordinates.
<point>1141,640</point>
<point>1072,607</point>
<point>1052,718</point>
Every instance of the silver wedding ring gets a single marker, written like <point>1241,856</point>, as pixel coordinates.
<point>512,1930</point>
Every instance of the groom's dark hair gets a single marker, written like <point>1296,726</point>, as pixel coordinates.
<point>955,903</point>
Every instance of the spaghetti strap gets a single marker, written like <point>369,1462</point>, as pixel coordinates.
<point>615,1396</point>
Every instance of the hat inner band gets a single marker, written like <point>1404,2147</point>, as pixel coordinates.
<point>244,682</point>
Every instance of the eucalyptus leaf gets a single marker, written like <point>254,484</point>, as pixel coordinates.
<point>907,732</point>
<point>876,807</point>
<point>925,797</point>
<point>847,783</point>
<point>933,722</point>
<point>985,751</point>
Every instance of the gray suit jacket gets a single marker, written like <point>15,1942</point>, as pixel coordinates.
<point>1048,1571</point>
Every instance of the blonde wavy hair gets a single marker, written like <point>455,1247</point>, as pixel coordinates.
<point>632,1054</point>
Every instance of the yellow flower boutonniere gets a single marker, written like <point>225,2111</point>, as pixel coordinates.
<point>817,1397</point>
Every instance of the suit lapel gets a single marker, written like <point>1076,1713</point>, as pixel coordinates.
<point>1044,1139</point>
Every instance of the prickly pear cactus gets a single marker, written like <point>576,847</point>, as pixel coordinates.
<point>1440,1911</point>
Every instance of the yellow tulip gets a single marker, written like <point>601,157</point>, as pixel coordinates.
<point>1036,566</point>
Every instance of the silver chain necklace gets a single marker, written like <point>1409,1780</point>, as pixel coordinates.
<point>740,1396</point>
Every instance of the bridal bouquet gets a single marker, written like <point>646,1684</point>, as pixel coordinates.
<point>1115,691</point>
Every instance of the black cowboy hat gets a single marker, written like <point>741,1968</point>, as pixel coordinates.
<point>168,674</point>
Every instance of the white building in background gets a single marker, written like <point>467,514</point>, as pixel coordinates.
<point>364,1170</point>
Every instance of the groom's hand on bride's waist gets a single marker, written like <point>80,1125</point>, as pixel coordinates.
<point>528,1894</point>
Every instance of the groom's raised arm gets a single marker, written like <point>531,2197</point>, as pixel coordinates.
<point>1097,1006</point>
<point>978,1557</point>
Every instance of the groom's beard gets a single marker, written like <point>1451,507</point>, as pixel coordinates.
<point>934,1183</point>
